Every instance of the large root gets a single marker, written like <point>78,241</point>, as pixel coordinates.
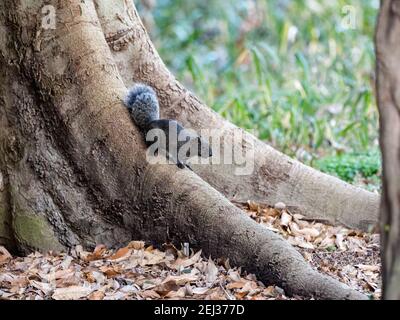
<point>275,178</point>
<point>203,217</point>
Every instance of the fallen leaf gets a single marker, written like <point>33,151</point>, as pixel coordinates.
<point>121,254</point>
<point>280,206</point>
<point>181,280</point>
<point>298,241</point>
<point>71,293</point>
<point>4,255</point>
<point>182,263</point>
<point>234,276</point>
<point>46,288</point>
<point>211,272</point>
<point>136,245</point>
<point>97,254</point>
<point>96,295</point>
<point>111,271</point>
<point>200,290</point>
<point>236,285</point>
<point>253,206</point>
<point>181,293</point>
<point>285,219</point>
<point>149,294</point>
<point>368,267</point>
<point>166,287</point>
<point>339,241</point>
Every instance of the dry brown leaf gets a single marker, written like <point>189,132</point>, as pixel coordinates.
<point>271,212</point>
<point>4,255</point>
<point>216,294</point>
<point>67,262</point>
<point>368,267</point>
<point>339,241</point>
<point>234,275</point>
<point>211,272</point>
<point>149,249</point>
<point>71,280</point>
<point>71,293</point>
<point>111,271</point>
<point>269,291</point>
<point>308,233</point>
<point>253,206</point>
<point>200,290</point>
<point>182,279</point>
<point>236,285</point>
<point>80,253</point>
<point>240,295</point>
<point>182,263</point>
<point>300,242</point>
<point>149,294</point>
<point>121,254</point>
<point>46,288</point>
<point>166,287</point>
<point>89,277</point>
<point>188,290</point>
<point>280,206</point>
<point>327,242</point>
<point>98,253</point>
<point>181,293</point>
<point>136,245</point>
<point>298,217</point>
<point>96,295</point>
<point>286,218</point>
<point>249,286</point>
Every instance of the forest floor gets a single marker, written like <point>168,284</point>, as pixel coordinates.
<point>139,271</point>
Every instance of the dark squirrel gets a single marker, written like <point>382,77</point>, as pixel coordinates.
<point>181,144</point>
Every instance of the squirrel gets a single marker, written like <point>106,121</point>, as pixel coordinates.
<point>180,144</point>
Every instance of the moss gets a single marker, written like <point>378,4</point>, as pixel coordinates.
<point>35,232</point>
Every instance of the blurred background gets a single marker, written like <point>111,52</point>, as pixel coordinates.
<point>298,74</point>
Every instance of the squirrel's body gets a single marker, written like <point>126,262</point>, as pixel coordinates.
<point>180,144</point>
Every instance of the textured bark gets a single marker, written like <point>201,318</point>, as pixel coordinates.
<point>388,80</point>
<point>276,177</point>
<point>76,166</point>
<point>6,235</point>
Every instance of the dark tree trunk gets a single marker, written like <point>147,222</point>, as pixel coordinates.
<point>388,88</point>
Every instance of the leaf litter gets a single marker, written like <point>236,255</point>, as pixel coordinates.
<point>143,272</point>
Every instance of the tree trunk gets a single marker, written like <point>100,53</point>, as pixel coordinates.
<point>75,166</point>
<point>388,80</point>
<point>276,177</point>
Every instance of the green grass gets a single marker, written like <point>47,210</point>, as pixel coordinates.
<point>308,95</point>
<point>361,169</point>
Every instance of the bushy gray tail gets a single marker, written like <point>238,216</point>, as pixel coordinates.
<point>142,104</point>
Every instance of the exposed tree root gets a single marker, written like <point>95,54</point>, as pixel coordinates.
<point>207,220</point>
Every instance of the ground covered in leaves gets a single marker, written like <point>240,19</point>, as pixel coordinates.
<point>143,272</point>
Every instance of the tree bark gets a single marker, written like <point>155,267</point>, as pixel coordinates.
<point>76,167</point>
<point>276,177</point>
<point>388,80</point>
